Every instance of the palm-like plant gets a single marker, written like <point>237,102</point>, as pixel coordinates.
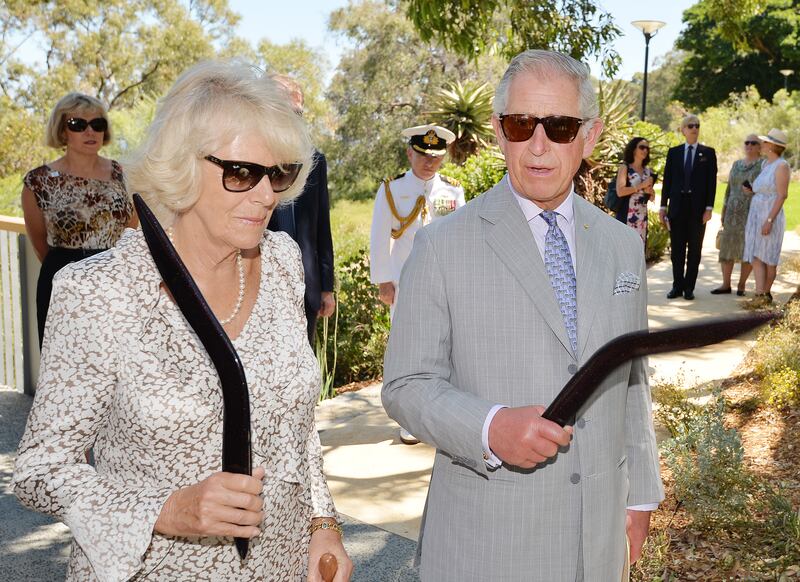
<point>616,111</point>
<point>466,110</point>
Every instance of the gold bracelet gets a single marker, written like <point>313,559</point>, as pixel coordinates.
<point>326,524</point>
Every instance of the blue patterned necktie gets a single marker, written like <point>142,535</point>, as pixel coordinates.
<point>558,263</point>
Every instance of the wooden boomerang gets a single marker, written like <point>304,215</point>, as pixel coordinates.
<point>637,344</point>
<point>236,456</point>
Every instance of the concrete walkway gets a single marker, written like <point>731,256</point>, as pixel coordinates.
<point>378,483</point>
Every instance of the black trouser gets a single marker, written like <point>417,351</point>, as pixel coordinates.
<point>686,233</point>
<point>311,318</point>
<point>55,260</point>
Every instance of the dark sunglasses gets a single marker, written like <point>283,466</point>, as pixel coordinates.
<point>243,176</point>
<point>558,128</point>
<point>693,125</point>
<point>752,143</point>
<point>643,147</point>
<point>79,124</point>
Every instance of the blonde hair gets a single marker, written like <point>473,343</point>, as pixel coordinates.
<point>208,106</point>
<point>78,103</point>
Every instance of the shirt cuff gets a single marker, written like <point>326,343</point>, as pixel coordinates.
<point>491,460</point>
<point>663,208</point>
<point>709,208</point>
<point>644,507</point>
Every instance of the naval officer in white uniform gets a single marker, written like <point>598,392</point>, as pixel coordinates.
<point>406,204</point>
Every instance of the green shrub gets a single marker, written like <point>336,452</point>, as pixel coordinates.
<point>777,348</point>
<point>356,345</point>
<point>657,238</point>
<point>10,190</point>
<point>674,410</point>
<point>479,172</point>
<point>707,463</point>
<point>782,388</point>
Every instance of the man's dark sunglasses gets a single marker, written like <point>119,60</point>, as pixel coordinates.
<point>243,176</point>
<point>752,143</point>
<point>79,124</point>
<point>693,125</point>
<point>558,128</point>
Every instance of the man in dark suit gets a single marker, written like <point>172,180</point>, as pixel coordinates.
<point>687,200</point>
<point>307,221</point>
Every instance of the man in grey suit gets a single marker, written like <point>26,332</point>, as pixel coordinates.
<point>503,300</point>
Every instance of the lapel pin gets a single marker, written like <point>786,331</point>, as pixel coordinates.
<point>585,227</point>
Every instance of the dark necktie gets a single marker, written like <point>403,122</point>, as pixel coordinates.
<point>687,170</point>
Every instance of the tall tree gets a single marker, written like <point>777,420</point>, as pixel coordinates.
<point>306,66</point>
<point>726,55</point>
<point>384,84</point>
<point>472,27</point>
<point>115,50</point>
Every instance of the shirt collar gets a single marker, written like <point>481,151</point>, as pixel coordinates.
<point>531,210</point>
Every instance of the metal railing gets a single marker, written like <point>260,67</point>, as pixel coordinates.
<point>19,270</point>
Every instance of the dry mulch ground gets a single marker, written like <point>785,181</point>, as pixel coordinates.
<point>676,551</point>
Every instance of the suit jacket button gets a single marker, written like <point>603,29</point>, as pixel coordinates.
<point>572,368</point>
<point>574,478</point>
<point>581,423</point>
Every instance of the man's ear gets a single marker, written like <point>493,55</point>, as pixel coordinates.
<point>592,136</point>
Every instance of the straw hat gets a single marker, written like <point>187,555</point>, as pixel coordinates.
<point>775,136</point>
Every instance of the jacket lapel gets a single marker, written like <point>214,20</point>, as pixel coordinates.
<point>510,237</point>
<point>590,262</point>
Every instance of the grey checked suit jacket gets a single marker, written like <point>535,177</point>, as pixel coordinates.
<point>478,324</point>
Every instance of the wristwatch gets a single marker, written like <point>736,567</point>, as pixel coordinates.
<point>769,219</point>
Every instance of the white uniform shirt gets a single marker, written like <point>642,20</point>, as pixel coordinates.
<point>387,255</point>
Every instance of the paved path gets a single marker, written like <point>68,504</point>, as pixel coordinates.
<point>379,484</point>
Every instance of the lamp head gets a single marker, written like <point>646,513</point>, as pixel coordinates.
<point>649,27</point>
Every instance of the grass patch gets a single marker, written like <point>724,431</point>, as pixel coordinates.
<point>791,207</point>
<point>350,226</point>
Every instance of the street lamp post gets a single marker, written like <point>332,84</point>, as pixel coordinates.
<point>786,73</point>
<point>649,28</point>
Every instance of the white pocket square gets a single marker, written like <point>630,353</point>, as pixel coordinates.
<point>626,283</point>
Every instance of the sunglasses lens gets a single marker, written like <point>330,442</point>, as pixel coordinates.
<point>99,124</point>
<point>239,177</point>
<point>751,143</point>
<point>517,127</point>
<point>560,128</point>
<point>693,125</point>
<point>283,176</point>
<point>77,124</point>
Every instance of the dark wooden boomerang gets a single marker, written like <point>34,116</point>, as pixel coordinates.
<point>236,457</point>
<point>637,344</point>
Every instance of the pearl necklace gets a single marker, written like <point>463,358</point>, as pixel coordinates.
<point>240,267</point>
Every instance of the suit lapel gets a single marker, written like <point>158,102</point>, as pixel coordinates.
<point>588,269</point>
<point>510,237</point>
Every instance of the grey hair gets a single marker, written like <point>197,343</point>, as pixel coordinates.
<point>689,118</point>
<point>209,105</point>
<point>71,103</point>
<point>545,64</point>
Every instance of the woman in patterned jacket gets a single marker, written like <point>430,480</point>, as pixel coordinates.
<point>76,206</point>
<point>123,373</point>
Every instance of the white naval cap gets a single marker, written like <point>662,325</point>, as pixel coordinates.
<point>429,139</point>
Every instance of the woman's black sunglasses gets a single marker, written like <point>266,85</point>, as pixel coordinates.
<point>79,124</point>
<point>753,143</point>
<point>643,147</point>
<point>243,176</point>
<point>558,128</point>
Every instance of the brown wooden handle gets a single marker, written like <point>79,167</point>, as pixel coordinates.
<point>328,566</point>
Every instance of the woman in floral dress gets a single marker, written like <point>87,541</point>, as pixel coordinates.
<point>635,182</point>
<point>123,372</point>
<point>76,206</point>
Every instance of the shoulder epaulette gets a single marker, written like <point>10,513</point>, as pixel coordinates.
<point>397,177</point>
<point>449,180</point>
